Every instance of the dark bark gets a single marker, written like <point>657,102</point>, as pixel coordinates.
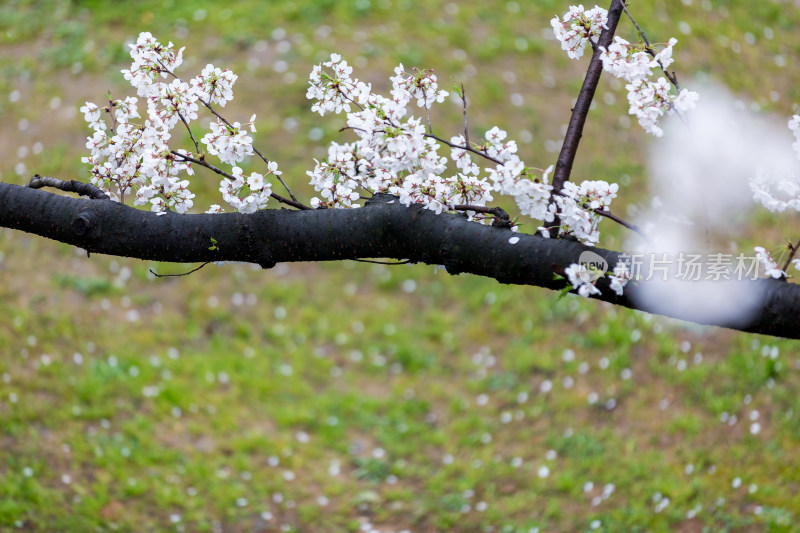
<point>569,148</point>
<point>383,228</point>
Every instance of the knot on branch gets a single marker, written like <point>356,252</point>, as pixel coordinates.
<point>82,224</point>
<point>266,261</point>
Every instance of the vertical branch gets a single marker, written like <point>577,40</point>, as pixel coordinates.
<point>575,130</point>
<point>793,249</point>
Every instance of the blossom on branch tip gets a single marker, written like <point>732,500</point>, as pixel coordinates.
<point>151,59</point>
<point>626,61</point>
<point>648,100</point>
<point>495,146</point>
<point>664,57</point>
<point>578,27</point>
<point>419,84</point>
<point>335,91</point>
<point>214,85</point>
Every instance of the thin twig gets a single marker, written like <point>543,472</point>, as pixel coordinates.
<point>266,161</point>
<point>179,275</point>
<point>345,128</point>
<point>615,218</point>
<point>671,76</point>
<point>225,121</point>
<point>84,189</point>
<point>649,49</point>
<point>196,146</point>
<point>340,91</point>
<point>110,111</point>
<point>221,172</point>
<point>466,128</point>
<point>467,148</point>
<point>635,25</point>
<point>257,152</point>
<point>793,249</point>
<point>404,262</point>
<point>501,218</point>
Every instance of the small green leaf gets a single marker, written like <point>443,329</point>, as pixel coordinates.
<point>563,292</point>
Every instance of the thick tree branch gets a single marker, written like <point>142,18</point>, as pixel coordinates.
<point>383,228</point>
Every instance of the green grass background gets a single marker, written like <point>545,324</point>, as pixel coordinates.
<point>353,397</point>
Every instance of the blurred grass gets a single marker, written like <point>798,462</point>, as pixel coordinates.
<point>327,397</point>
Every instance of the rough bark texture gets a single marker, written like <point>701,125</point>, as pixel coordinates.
<point>581,110</point>
<point>383,228</point>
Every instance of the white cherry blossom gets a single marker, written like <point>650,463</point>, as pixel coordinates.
<point>419,84</point>
<point>582,279</point>
<point>214,85</point>
<point>230,143</point>
<point>770,266</point>
<point>578,27</point>
<point>619,278</point>
<point>151,59</point>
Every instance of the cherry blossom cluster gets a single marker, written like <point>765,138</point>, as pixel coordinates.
<point>151,59</point>
<point>246,195</point>
<point>214,86</point>
<point>578,28</point>
<point>395,154</point>
<point>229,142</point>
<point>335,90</point>
<point>419,84</point>
<point>135,156</point>
<point>648,100</point>
<point>530,191</point>
<point>576,207</point>
<point>584,278</point>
